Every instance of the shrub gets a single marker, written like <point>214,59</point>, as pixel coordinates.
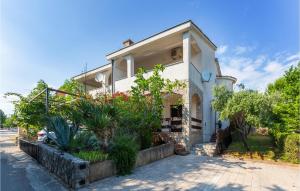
<point>123,152</point>
<point>92,156</point>
<point>291,148</point>
<point>279,139</point>
<point>85,140</point>
<point>64,133</point>
<point>100,118</point>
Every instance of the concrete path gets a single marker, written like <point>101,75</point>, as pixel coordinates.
<point>204,173</point>
<point>19,172</point>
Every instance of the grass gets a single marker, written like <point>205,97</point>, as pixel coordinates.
<point>92,156</point>
<point>261,147</point>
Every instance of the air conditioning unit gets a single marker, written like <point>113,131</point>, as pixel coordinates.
<point>176,53</point>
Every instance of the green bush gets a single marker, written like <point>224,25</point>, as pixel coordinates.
<point>92,156</point>
<point>279,139</point>
<point>85,140</point>
<point>291,147</point>
<point>123,152</point>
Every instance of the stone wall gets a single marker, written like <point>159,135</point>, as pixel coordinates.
<point>76,172</point>
<point>100,170</point>
<point>29,148</point>
<point>154,153</point>
<point>73,171</point>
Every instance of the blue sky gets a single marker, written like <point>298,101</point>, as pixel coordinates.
<point>53,39</point>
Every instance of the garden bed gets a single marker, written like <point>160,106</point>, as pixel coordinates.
<point>261,147</point>
<point>76,172</point>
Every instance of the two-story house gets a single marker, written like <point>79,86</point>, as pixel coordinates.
<point>188,55</point>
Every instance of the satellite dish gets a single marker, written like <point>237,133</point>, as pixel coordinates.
<point>100,78</point>
<point>206,76</point>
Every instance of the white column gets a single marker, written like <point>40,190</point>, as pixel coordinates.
<point>114,74</point>
<point>130,65</point>
<point>187,97</point>
<point>186,50</point>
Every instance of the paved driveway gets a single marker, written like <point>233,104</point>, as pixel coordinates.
<point>203,173</point>
<point>19,172</point>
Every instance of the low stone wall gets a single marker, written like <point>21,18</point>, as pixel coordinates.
<point>28,147</point>
<point>76,172</point>
<point>100,170</point>
<point>107,168</point>
<point>154,153</point>
<point>73,171</point>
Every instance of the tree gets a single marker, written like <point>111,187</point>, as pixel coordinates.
<point>10,121</point>
<point>244,109</point>
<point>286,94</point>
<point>2,118</point>
<point>141,113</point>
<point>72,86</point>
<point>30,112</point>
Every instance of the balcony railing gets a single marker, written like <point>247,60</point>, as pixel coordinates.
<point>103,90</point>
<point>172,72</point>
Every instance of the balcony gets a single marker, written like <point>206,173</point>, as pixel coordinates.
<point>98,91</point>
<point>174,71</point>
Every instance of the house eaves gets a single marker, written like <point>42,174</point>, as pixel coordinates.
<point>180,27</point>
<point>92,71</point>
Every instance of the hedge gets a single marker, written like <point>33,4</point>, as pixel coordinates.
<point>292,147</point>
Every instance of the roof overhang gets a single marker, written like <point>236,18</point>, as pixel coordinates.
<point>93,71</point>
<point>183,27</point>
<point>231,78</point>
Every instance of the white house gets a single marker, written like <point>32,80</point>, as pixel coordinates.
<point>188,55</point>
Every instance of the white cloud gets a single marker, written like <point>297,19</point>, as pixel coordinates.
<point>257,72</point>
<point>293,57</point>
<point>222,49</point>
<point>272,66</point>
<point>242,49</point>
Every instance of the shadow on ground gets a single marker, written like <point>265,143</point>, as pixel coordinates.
<point>177,173</point>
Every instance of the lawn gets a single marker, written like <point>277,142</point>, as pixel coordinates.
<point>261,147</point>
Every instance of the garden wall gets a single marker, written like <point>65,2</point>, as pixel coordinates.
<point>100,170</point>
<point>107,168</point>
<point>154,153</point>
<point>28,147</point>
<point>76,172</point>
<point>73,171</point>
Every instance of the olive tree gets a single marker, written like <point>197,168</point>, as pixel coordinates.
<point>244,109</point>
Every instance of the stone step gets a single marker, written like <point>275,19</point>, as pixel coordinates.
<point>205,149</point>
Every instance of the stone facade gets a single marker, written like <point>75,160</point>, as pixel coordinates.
<point>189,136</point>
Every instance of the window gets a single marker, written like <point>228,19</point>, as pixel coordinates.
<point>176,111</point>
